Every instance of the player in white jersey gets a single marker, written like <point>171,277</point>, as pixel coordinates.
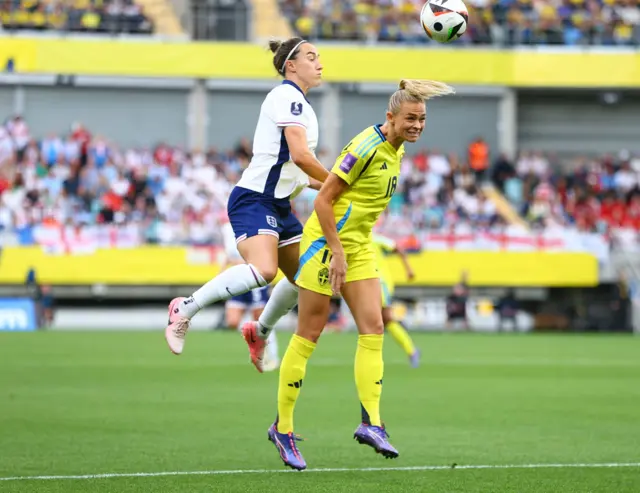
<point>254,300</point>
<point>266,231</point>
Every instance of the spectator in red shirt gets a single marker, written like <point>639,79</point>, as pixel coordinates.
<point>631,222</point>
<point>562,190</point>
<point>421,161</point>
<point>634,205</point>
<point>585,212</point>
<point>606,208</point>
<point>83,137</point>
<point>163,155</point>
<point>4,184</point>
<point>617,212</point>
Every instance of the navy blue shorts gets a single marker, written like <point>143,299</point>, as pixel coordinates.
<point>252,213</point>
<point>256,298</point>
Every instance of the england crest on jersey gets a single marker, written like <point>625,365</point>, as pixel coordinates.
<point>271,221</point>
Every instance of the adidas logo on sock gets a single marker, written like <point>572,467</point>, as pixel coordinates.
<point>296,385</point>
<point>384,166</point>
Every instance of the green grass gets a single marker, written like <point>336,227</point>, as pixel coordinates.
<point>90,403</point>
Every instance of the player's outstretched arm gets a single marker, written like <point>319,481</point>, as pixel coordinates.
<point>405,262</point>
<point>301,155</point>
<point>331,190</point>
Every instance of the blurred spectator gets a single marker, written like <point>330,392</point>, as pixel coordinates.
<point>456,305</point>
<point>502,22</point>
<point>42,298</point>
<point>503,170</point>
<point>507,308</point>
<point>479,158</point>
<point>97,16</point>
<point>620,305</point>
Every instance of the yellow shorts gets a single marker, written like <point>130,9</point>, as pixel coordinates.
<point>388,288</point>
<point>313,273</point>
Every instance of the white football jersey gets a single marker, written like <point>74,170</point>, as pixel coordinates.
<point>271,171</point>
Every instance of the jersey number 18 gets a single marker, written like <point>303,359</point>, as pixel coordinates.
<point>391,186</point>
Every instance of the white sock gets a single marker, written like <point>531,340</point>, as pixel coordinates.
<point>272,347</point>
<point>283,298</point>
<point>234,281</point>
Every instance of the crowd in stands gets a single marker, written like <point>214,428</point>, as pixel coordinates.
<point>91,16</point>
<point>598,195</point>
<point>80,183</point>
<point>81,180</point>
<point>502,22</point>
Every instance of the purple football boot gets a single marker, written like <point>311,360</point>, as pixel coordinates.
<point>414,359</point>
<point>287,448</point>
<point>377,438</point>
<point>374,436</point>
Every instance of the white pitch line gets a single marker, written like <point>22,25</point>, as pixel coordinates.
<point>320,470</point>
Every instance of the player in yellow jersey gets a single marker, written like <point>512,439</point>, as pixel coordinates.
<point>384,246</point>
<point>338,257</point>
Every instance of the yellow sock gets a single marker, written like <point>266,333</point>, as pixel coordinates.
<point>292,370</point>
<point>368,372</point>
<point>402,337</point>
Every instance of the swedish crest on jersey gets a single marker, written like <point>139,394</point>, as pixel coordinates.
<point>323,276</point>
<point>296,108</point>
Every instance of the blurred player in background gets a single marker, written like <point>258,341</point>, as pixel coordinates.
<point>266,230</point>
<point>254,301</point>
<point>336,321</point>
<point>339,258</point>
<point>507,308</point>
<point>384,246</point>
<point>457,305</point>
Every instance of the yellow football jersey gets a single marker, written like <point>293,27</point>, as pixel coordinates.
<point>371,167</point>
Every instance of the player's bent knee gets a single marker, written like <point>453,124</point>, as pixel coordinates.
<point>373,328</point>
<point>261,251</point>
<point>371,323</point>
<point>267,271</point>
<point>311,325</point>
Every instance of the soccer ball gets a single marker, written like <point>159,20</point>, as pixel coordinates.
<point>444,20</point>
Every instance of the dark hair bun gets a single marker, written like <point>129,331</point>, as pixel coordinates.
<point>274,45</point>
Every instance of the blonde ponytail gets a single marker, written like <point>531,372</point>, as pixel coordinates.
<point>417,91</point>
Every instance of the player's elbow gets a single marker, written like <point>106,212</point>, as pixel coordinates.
<point>321,202</point>
<point>299,155</point>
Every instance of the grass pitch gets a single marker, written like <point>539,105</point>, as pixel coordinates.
<point>91,403</point>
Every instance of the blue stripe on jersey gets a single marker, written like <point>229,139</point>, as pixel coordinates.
<point>377,129</point>
<point>276,169</point>
<point>372,145</point>
<point>365,143</point>
<point>319,244</point>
